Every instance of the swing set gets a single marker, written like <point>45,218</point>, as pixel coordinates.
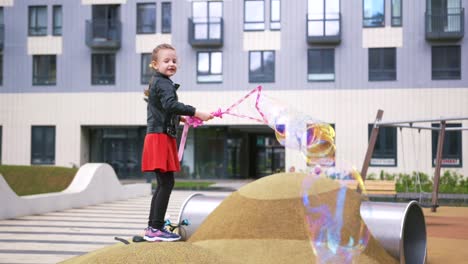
<point>411,125</point>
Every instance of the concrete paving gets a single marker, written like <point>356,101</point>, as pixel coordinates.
<point>57,236</point>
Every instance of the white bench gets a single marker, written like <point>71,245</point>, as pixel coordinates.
<point>373,187</point>
<point>94,183</point>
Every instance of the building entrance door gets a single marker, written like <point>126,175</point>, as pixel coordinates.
<point>268,155</point>
<point>119,147</point>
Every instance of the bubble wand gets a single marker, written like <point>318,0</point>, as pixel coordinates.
<point>196,122</point>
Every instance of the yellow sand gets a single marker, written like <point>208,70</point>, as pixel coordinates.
<point>263,222</point>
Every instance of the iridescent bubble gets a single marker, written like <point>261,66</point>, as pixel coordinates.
<point>296,130</point>
<point>320,144</point>
<point>280,133</point>
<point>337,232</point>
<point>334,238</point>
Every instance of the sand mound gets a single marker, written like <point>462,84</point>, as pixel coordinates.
<point>270,211</point>
<point>178,252</point>
<point>263,222</point>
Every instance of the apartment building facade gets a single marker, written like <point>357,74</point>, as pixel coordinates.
<point>73,74</point>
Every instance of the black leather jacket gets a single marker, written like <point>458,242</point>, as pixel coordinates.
<point>163,106</point>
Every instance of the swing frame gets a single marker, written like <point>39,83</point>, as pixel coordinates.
<point>410,124</point>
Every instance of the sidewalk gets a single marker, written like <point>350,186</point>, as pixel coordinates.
<point>57,236</point>
<point>219,183</point>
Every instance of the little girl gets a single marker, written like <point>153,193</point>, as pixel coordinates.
<point>159,151</point>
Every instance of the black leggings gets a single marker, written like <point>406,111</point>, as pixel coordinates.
<point>160,199</point>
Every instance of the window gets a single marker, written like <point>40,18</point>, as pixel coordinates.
<point>106,25</point>
<point>261,66</point>
<point>37,21</point>
<point>166,17</point>
<point>323,18</point>
<point>396,13</point>
<point>1,145</point>
<point>2,40</point>
<point>446,63</point>
<point>210,67</point>
<point>275,15</point>
<point>382,64</point>
<point>44,70</point>
<point>57,20</point>
<point>1,69</point>
<point>146,18</point>
<point>385,149</point>
<point>43,145</point>
<point>146,71</point>
<point>374,13</point>
<point>103,69</point>
<point>207,19</point>
<point>452,150</point>
<point>254,15</point>
<point>2,28</point>
<point>321,65</point>
<point>445,16</point>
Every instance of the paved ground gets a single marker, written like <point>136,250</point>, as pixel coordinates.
<point>57,236</point>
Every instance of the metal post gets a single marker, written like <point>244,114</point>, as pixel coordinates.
<point>440,147</point>
<point>370,147</point>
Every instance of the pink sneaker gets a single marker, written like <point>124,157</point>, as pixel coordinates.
<point>152,235</point>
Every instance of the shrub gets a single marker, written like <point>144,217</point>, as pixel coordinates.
<point>27,180</point>
<point>450,182</point>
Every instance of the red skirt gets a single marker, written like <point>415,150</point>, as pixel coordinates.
<point>160,153</point>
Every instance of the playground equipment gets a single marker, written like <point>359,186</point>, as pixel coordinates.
<point>195,209</point>
<point>410,124</point>
<point>399,227</point>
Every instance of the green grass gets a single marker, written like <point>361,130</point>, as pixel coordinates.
<point>190,185</point>
<point>27,180</point>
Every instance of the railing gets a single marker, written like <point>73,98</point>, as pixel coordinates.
<point>103,79</point>
<point>37,31</point>
<point>57,31</point>
<point>148,28</point>
<point>382,74</point>
<point>446,24</point>
<point>103,33</point>
<point>146,78</point>
<point>206,31</point>
<point>44,79</point>
<point>323,28</point>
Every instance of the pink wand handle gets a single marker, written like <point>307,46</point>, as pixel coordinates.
<point>183,139</point>
<point>189,121</point>
<point>195,122</point>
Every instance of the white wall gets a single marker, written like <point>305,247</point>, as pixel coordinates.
<point>350,110</point>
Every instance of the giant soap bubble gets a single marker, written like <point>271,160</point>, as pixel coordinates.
<point>296,130</point>
<point>332,239</point>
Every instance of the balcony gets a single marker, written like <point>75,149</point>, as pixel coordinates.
<point>447,24</point>
<point>103,34</point>
<point>206,32</point>
<point>2,36</point>
<point>323,28</point>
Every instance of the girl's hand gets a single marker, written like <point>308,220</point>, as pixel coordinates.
<point>203,115</point>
